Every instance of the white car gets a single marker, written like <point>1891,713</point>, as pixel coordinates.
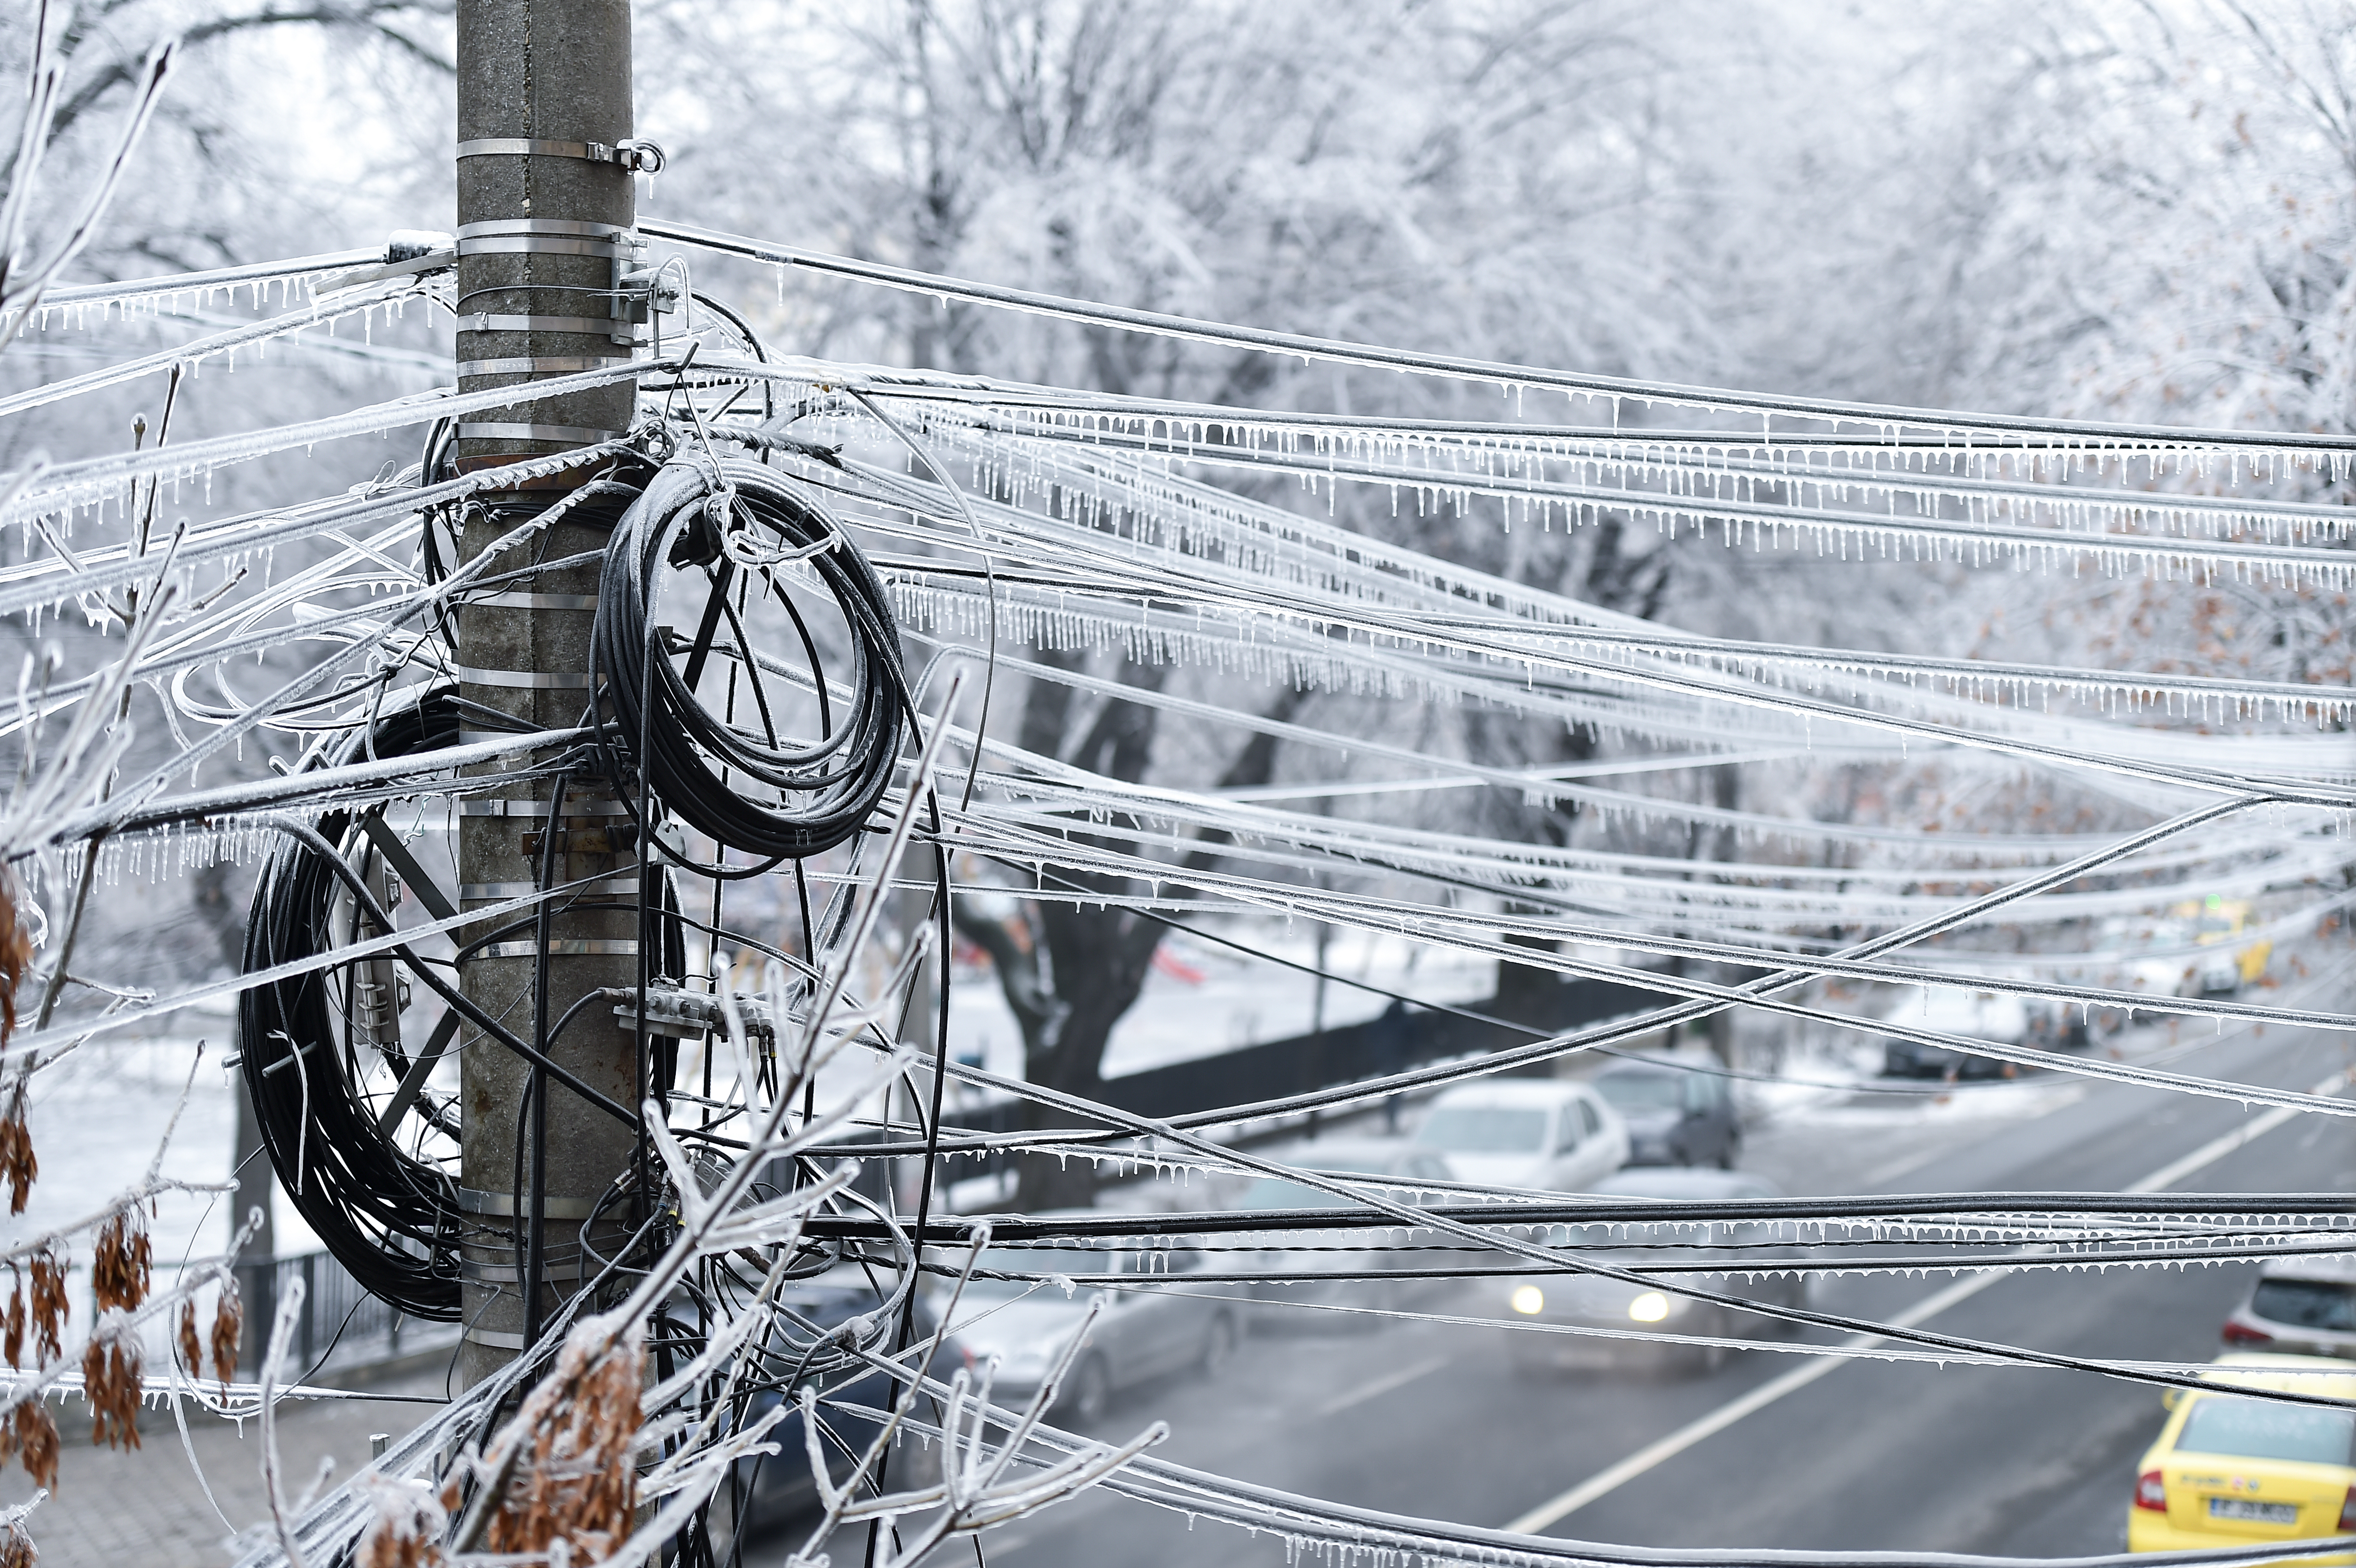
<point>1999,1017</point>
<point>1546,1133</point>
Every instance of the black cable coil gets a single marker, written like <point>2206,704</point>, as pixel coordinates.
<point>393,1220</point>
<point>390,1218</point>
<point>826,788</point>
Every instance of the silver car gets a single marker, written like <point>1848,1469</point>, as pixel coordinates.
<point>1677,1114</point>
<point>1146,1329</point>
<point>1585,1301</point>
<point>2303,1305</point>
<point>1317,1261</point>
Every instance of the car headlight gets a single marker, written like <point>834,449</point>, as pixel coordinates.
<point>1649,1307</point>
<point>1528,1300</point>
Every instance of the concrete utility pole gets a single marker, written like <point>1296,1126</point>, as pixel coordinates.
<point>545,202</point>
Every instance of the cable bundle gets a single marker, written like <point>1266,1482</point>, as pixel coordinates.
<point>721,517</point>
<point>390,1218</point>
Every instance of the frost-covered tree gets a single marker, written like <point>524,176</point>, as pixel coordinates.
<point>1506,180</point>
<point>285,129</point>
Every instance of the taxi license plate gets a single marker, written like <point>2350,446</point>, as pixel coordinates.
<point>2261,1513</point>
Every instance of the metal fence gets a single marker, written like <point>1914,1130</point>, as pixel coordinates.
<point>1401,1038</point>
<point>341,1324</point>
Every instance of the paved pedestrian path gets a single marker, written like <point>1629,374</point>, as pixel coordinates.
<point>147,1508</point>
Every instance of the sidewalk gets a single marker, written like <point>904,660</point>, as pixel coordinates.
<point>148,1507</point>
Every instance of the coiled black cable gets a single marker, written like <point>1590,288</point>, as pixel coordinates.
<point>715,518</point>
<point>392,1218</point>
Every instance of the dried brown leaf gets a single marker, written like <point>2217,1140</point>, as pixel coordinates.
<point>18,1164</point>
<point>35,1437</point>
<point>16,952</point>
<point>577,1482</point>
<point>406,1528</point>
<point>192,1350</point>
<point>51,1309</point>
<point>121,1269</point>
<point>111,1381</point>
<point>229,1329</point>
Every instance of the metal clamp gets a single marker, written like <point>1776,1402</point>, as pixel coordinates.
<point>640,157</point>
<point>582,433</point>
<point>496,1338</point>
<point>563,947</point>
<point>561,1271</point>
<point>542,365</point>
<point>526,679</point>
<point>525,889</point>
<point>547,237</point>
<point>517,600</point>
<point>534,245</point>
<point>683,1014</point>
<point>474,1200</point>
<point>521,742</point>
<point>597,325</point>
<point>586,805</point>
<point>546,227</point>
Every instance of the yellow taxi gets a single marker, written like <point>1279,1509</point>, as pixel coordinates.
<point>2233,1471</point>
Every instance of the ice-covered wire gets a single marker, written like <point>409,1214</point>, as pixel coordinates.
<point>1969,428</point>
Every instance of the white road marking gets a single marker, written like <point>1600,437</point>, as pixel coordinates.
<point>1653,1455</point>
<point>1379,1387</point>
<point>2217,1148</point>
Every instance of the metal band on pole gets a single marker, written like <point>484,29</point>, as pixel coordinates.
<point>546,206</point>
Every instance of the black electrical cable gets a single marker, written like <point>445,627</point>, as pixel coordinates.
<point>825,789</point>
<point>392,1220</point>
<point>535,1250</point>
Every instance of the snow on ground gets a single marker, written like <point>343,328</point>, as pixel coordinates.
<point>96,1119</point>
<point>1204,999</point>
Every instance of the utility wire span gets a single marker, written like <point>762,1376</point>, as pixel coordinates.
<point>2012,431</point>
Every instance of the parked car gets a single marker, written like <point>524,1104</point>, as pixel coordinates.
<point>1675,1113</point>
<point>2300,1305</point>
<point>1153,1327</point>
<point>2229,1470</point>
<point>776,1488</point>
<point>2058,1025</point>
<point>1316,1257</point>
<point>1586,1301</point>
<point>1548,1134</point>
<point>1980,1015</point>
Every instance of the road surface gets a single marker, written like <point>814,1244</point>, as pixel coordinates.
<point>1428,1419</point>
